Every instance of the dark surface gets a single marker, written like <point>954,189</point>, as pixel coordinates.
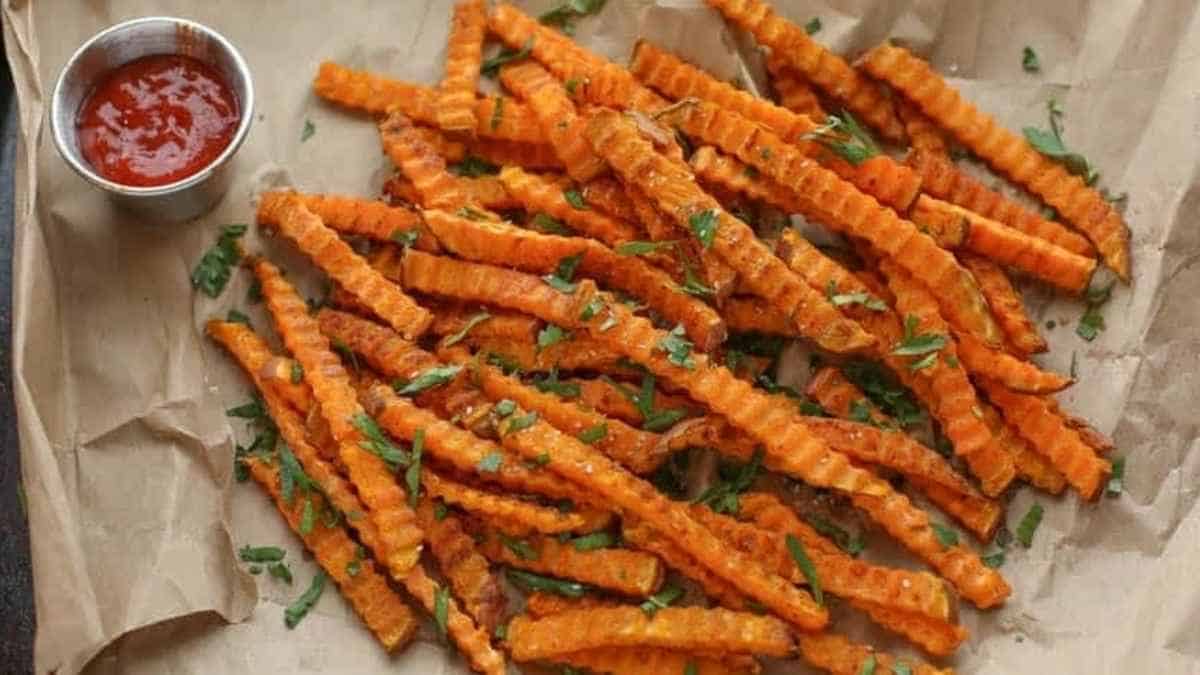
<point>16,582</point>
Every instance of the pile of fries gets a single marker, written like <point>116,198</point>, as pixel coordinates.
<point>570,287</point>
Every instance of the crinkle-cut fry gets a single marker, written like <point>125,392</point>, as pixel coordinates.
<point>604,397</point>
<point>631,496</point>
<point>527,516</point>
<point>1102,444</point>
<point>453,319</point>
<point>651,661</point>
<point>383,349</point>
<point>676,194</point>
<point>557,115</point>
<point>506,119</point>
<point>348,269</point>
<point>781,428</point>
<point>470,576</point>
<point>1038,421</point>
<point>832,201</point>
<point>681,628</point>
<point>420,163</point>
<point>455,104</point>
<point>951,389</point>
<point>1008,370</point>
<point>752,315</point>
<point>1006,304</point>
<point>503,244</point>
<point>473,641</point>
<point>923,134</point>
<point>354,216</point>
<point>793,91</point>
<point>538,194</point>
<point>977,513</point>
<point>450,150</point>
<point>918,593</point>
<point>714,273</point>
<point>791,43</point>
<point>608,195</point>
<point>724,593</point>
<point>400,538</point>
<point>490,193</point>
<point>255,357</point>
<point>1032,467</point>
<point>539,603</point>
<point>940,638</point>
<point>1080,205</point>
<point>889,181</point>
<point>941,178</point>
<point>839,655</point>
<point>380,608</point>
<point>1005,245</point>
<point>400,191</point>
<point>624,571</point>
<point>640,451</point>
<point>503,153</point>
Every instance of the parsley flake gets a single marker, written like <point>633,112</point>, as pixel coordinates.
<point>564,274</point>
<point>643,247</point>
<point>594,541</point>
<point>947,536</point>
<point>678,348</point>
<point>851,544</point>
<point>1092,321</point>
<point>441,609</point>
<point>215,268</point>
<point>491,67</point>
<point>521,423</point>
<point>504,408</point>
<point>1116,480</point>
<point>1029,525</point>
<point>537,582</point>
<point>806,567</point>
<point>472,166</point>
<point>550,335</point>
<point>547,224</point>
<point>376,443</point>
<point>412,477</point>
<point>552,385</point>
<point>1050,143</point>
<point>490,463</point>
<point>994,560</point>
<point>434,377</point>
<point>914,344</point>
<point>497,114</point>
<point>261,554</point>
<point>704,225</point>
<point>593,435</point>
<point>868,665</point>
<point>575,199</point>
<point>308,131</point>
<point>519,547</point>
<point>722,496</point>
<point>1029,60</point>
<point>564,15</point>
<point>281,571</point>
<point>846,138</point>
<point>860,298</point>
<point>661,600</point>
<point>473,321</point>
<point>298,609</point>
<point>813,26</point>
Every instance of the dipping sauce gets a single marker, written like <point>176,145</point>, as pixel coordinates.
<point>156,120</point>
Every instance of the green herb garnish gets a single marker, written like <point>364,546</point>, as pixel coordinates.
<point>813,26</point>
<point>1029,525</point>
<point>412,477</point>
<point>1050,143</point>
<point>434,377</point>
<point>490,463</point>
<point>845,137</point>
<point>548,225</point>
<point>519,547</point>
<point>516,424</point>
<point>1116,480</point>
<point>537,582</point>
<point>564,274</point>
<point>1092,321</point>
<point>575,199</point>
<point>806,567</point>
<point>851,544</point>
<point>643,247</point>
<point>298,609</point>
<point>661,600</point>
<point>1029,60</point>
<point>441,609</point>
<point>472,166</point>
<point>551,384</point>
<point>563,16</point>
<point>593,435</point>
<point>473,321</point>
<point>491,67</point>
<point>945,535</point>
<point>594,541</point>
<point>551,334</point>
<point>678,348</point>
<point>860,298</point>
<point>722,496</point>
<point>261,554</point>
<point>704,225</point>
<point>376,443</point>
<point>216,265</point>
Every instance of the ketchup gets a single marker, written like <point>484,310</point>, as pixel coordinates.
<point>156,120</point>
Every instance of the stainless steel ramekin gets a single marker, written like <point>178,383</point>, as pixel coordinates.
<point>188,197</point>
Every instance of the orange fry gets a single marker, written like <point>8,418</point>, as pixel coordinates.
<point>723,592</point>
<point>751,315</point>
<point>384,612</point>
<point>539,603</point>
<point>608,195</point>
<point>539,195</point>
<point>942,179</point>
<point>502,244</point>
<point>888,181</point>
<point>539,156</point>
<point>346,267</point>
<point>631,573</point>
<point>1038,421</point>
<point>421,164</point>
<point>923,134</point>
<point>356,216</point>
<point>556,113</point>
<point>471,640</point>
<point>1005,245</point>
<point>375,483</point>
<point>579,353</point>
<point>1007,369</point>
<point>651,661</point>
<point>793,91</point>
<point>839,655</point>
<point>682,628</point>
<point>455,105</point>
<point>526,516</point>
<point>838,205</point>
<point>674,190</point>
<point>1031,466</point>
<point>458,557</point>
<point>400,191</point>
<point>255,357</point>
<point>1081,205</point>
<point>1006,304</point>
<point>952,391</point>
<point>820,66</point>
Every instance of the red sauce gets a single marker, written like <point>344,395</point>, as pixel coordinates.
<point>156,120</point>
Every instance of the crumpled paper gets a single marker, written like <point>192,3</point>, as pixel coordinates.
<point>127,452</point>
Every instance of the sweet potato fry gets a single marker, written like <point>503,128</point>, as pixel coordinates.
<point>839,655</point>
<point>646,538</point>
<point>608,195</point>
<point>751,315</point>
<point>951,389</point>
<point>942,179</point>
<point>838,205</point>
<point>377,95</point>
<point>381,608</point>
<point>471,640</point>
<point>888,181</point>
<point>354,216</point>
<point>1039,423</point>
<point>1081,205</point>
<point>640,451</point>
<point>673,189</point>
<point>254,356</point>
<point>527,516</point>
<point>1031,466</point>
<point>539,156</point>
<point>682,628</point>
<point>503,244</point>
<point>399,191</point>
<point>343,265</point>
<point>539,195</point>
<point>631,573</point>
<point>923,134</point>
<point>467,571</point>
<point>399,535</point>
<point>540,603</point>
<point>579,353</point>
<point>1008,370</point>
<point>455,104</point>
<point>651,661</point>
<point>1005,245</point>
<point>793,91</point>
<point>421,164</point>
<point>820,66</point>
<point>1006,304</point>
<point>557,115</point>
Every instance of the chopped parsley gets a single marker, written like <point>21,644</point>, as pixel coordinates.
<point>281,571</point>
<point>884,392</point>
<point>1029,60</point>
<point>297,374</point>
<point>653,419</point>
<point>347,353</point>
<point>813,26</point>
<point>405,238</point>
<point>1050,143</point>
<point>994,560</point>
<point>261,554</point>
<point>491,67</point>
<point>1116,481</point>
<point>735,479</point>
<point>692,284</point>
<point>507,364</point>
<point>298,609</point>
<point>216,265</point>
<point>591,309</point>
<point>552,385</point>
<point>376,443</point>
<point>846,138</point>
<point>643,247</point>
<point>441,609</point>
<point>661,600</point>
<point>704,226</point>
<point>861,298</point>
<point>519,547</point>
<point>945,535</point>
<point>472,166</point>
<point>536,582</point>
<point>868,665</point>
<point>547,224</point>
<point>806,567</point>
<point>235,316</point>
<point>497,114</point>
<point>308,131</point>
<point>594,434</point>
<point>521,423</point>
<point>434,377</point>
<point>504,408</point>
<point>440,510</point>
<point>254,293</point>
<point>901,668</point>
<point>1029,525</point>
<point>860,411</point>
<point>594,541</point>
<point>1092,321</point>
<point>851,544</point>
<point>572,85</point>
<point>539,461</point>
<point>474,320</point>
<point>551,334</point>
<point>575,199</point>
<point>308,518</point>
<point>412,477</point>
<point>678,348</point>
<point>491,462</point>
<point>564,274</point>
<point>917,344</point>
<point>564,15</point>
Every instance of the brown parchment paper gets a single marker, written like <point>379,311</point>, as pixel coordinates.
<point>127,452</point>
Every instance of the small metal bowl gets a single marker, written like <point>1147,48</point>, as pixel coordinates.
<point>188,197</point>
